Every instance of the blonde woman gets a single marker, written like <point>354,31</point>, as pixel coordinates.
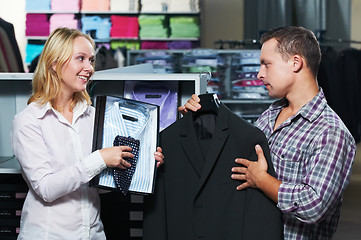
<point>52,140</point>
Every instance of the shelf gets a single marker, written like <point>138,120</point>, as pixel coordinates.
<point>9,164</point>
<point>50,11</point>
<point>44,38</point>
<point>169,39</point>
<point>109,12</point>
<point>169,13</point>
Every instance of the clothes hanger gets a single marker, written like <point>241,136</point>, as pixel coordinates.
<point>209,101</point>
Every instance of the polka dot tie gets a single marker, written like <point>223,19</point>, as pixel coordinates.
<point>123,177</point>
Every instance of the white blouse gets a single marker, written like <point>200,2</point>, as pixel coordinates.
<point>57,163</point>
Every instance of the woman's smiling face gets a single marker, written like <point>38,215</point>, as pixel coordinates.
<point>77,72</point>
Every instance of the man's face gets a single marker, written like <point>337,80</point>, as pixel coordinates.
<point>275,72</point>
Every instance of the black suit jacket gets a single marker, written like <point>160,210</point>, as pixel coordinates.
<point>195,197</point>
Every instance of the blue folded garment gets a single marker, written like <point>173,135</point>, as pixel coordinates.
<point>37,5</point>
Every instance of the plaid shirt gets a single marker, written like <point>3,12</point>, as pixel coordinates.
<point>312,153</point>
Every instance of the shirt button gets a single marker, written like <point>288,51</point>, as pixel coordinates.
<point>295,204</point>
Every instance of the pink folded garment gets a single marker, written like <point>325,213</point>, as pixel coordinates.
<point>38,17</point>
<point>37,32</point>
<point>124,26</point>
<point>62,17</point>
<point>154,45</point>
<point>63,20</point>
<point>95,5</point>
<point>71,5</point>
<point>124,33</point>
<point>69,24</point>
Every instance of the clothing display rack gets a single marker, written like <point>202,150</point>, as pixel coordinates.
<point>232,44</point>
<point>15,89</point>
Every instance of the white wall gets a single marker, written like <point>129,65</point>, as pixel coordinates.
<point>221,20</point>
<point>13,11</point>
<point>355,22</point>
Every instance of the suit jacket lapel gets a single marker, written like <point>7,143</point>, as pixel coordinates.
<point>219,138</point>
<point>190,144</point>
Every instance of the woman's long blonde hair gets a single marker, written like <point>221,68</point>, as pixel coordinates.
<point>58,50</point>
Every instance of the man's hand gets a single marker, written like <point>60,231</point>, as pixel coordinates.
<point>192,105</point>
<point>251,172</point>
<point>255,175</point>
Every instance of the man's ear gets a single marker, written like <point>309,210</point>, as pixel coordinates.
<point>297,62</point>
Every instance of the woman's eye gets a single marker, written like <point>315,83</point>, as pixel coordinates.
<point>81,58</point>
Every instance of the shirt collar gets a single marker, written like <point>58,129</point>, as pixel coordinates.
<point>79,109</point>
<point>310,111</point>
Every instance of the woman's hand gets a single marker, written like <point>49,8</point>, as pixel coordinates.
<point>159,157</point>
<point>115,156</point>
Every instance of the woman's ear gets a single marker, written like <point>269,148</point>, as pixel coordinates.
<point>53,66</point>
<point>297,61</point>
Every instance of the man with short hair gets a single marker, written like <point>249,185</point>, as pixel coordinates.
<point>311,149</point>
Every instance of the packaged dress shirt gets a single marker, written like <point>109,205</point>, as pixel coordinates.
<point>163,94</point>
<point>121,121</point>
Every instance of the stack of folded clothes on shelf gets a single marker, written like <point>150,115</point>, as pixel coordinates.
<point>124,26</point>
<point>154,45</point>
<point>245,84</point>
<point>67,5</point>
<point>124,6</point>
<point>37,24</point>
<point>36,5</point>
<point>154,6</point>
<point>95,5</point>
<point>96,27</point>
<point>32,51</point>
<point>152,26</point>
<point>170,6</point>
<point>206,61</point>
<point>182,44</point>
<point>186,6</point>
<point>128,44</point>
<point>63,20</point>
<point>162,61</point>
<point>184,27</point>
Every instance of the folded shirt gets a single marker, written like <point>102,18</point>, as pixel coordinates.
<point>71,5</point>
<point>124,26</point>
<point>170,6</point>
<point>37,25</point>
<point>35,5</point>
<point>63,20</point>
<point>32,51</point>
<point>124,6</point>
<point>96,26</point>
<point>95,5</point>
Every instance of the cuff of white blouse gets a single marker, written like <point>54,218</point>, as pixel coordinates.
<point>95,163</point>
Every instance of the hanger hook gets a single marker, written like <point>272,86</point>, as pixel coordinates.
<point>208,75</point>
